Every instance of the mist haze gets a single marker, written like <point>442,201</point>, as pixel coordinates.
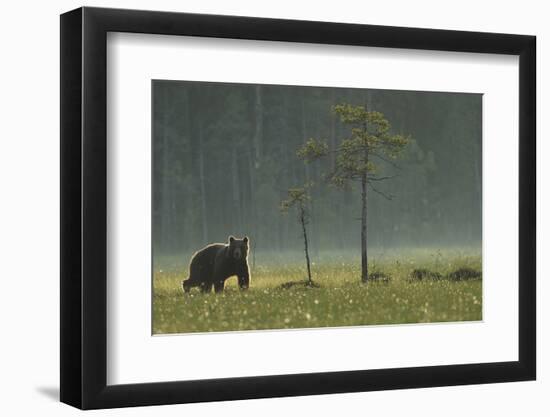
<point>224,156</point>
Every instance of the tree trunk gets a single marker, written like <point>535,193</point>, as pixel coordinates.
<point>253,221</point>
<point>332,131</point>
<point>254,157</point>
<point>202,185</point>
<point>303,222</point>
<point>364,184</point>
<point>236,192</point>
<point>337,227</point>
<point>165,201</point>
<point>289,173</point>
<point>187,228</point>
<point>364,266</point>
<point>307,172</point>
<point>259,115</point>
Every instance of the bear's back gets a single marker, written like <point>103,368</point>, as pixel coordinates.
<point>208,253</point>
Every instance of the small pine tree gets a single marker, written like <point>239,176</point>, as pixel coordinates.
<point>299,199</point>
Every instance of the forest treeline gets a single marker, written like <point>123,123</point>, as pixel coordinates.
<point>224,156</point>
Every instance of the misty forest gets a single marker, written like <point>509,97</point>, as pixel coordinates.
<point>361,206</point>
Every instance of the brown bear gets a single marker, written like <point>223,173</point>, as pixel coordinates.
<point>212,265</point>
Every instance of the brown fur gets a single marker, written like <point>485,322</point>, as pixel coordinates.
<point>212,265</point>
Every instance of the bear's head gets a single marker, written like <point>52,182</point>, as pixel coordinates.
<point>238,251</point>
<point>238,248</point>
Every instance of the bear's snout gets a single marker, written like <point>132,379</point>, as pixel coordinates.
<point>237,254</point>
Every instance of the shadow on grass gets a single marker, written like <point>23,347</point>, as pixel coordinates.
<point>299,284</point>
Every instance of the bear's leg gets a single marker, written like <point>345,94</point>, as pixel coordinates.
<point>186,285</point>
<point>244,281</point>
<point>218,286</point>
<point>206,287</point>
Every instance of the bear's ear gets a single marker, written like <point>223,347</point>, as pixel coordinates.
<point>245,240</point>
<point>231,239</point>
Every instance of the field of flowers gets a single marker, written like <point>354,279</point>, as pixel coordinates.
<point>411,287</point>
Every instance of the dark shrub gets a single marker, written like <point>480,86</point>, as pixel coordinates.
<point>420,274</point>
<point>463,274</point>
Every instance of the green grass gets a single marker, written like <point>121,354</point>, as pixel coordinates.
<point>342,300</point>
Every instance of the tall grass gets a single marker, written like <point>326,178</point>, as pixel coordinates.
<point>341,300</point>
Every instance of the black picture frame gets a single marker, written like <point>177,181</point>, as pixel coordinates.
<point>84,207</point>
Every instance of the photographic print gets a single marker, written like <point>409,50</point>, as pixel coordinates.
<point>291,207</point>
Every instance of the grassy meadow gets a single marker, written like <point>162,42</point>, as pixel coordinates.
<point>402,294</point>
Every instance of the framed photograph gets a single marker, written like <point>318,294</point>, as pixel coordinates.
<point>257,208</point>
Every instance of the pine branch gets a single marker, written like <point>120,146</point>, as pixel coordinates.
<point>381,178</point>
<point>386,196</point>
<point>393,164</point>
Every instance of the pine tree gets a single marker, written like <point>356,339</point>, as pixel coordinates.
<point>299,198</point>
<point>358,158</point>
